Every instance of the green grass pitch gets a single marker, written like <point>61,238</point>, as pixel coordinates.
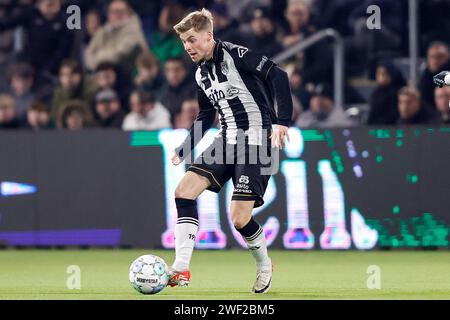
<point>229,274</point>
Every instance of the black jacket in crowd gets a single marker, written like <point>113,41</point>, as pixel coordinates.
<point>48,41</point>
<point>427,86</point>
<point>384,100</point>
<point>425,115</point>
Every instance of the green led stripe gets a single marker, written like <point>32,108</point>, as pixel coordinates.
<point>421,231</point>
<point>444,130</point>
<point>312,135</point>
<point>380,133</point>
<point>329,137</point>
<point>144,138</point>
<point>399,133</point>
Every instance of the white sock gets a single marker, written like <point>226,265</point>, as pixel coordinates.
<point>185,233</point>
<point>257,245</point>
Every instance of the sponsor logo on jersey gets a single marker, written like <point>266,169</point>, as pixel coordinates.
<point>262,63</point>
<point>244,179</point>
<point>241,51</point>
<point>216,95</point>
<point>242,190</point>
<point>231,91</point>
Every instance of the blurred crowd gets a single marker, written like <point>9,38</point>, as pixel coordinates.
<point>125,67</point>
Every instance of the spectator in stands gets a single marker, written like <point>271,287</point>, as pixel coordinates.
<point>38,116</point>
<point>299,90</point>
<point>88,112</point>
<point>74,116</point>
<point>149,76</point>
<point>334,14</point>
<point>48,39</point>
<point>92,22</point>
<point>146,113</point>
<point>120,40</point>
<point>368,42</point>
<point>108,111</point>
<point>412,109</point>
<point>438,59</point>
<point>165,43</point>
<point>298,23</point>
<point>442,99</point>
<point>316,61</point>
<point>108,76</point>
<point>188,114</point>
<point>262,37</point>
<point>6,47</point>
<point>73,85</point>
<point>225,27</point>
<point>21,81</point>
<point>179,85</point>
<point>434,22</point>
<point>8,119</point>
<point>242,10</point>
<point>323,112</point>
<point>383,101</point>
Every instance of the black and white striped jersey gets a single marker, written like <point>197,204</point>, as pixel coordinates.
<point>242,86</point>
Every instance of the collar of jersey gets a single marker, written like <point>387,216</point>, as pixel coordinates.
<point>215,54</point>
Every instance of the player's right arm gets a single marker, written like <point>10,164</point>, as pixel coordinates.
<point>442,79</point>
<point>204,121</point>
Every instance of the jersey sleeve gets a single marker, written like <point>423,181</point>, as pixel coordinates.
<point>250,61</point>
<point>205,119</point>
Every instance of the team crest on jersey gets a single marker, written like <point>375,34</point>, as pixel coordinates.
<point>241,51</point>
<point>224,68</point>
<point>231,91</point>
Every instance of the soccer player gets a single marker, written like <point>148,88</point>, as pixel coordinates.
<point>242,86</point>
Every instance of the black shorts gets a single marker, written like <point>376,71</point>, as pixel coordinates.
<point>249,167</point>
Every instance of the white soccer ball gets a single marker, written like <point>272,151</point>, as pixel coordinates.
<point>148,274</point>
<point>447,79</point>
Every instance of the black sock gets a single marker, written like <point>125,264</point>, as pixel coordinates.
<point>249,229</point>
<point>187,210</point>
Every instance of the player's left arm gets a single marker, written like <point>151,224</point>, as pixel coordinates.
<point>279,81</point>
<point>276,78</point>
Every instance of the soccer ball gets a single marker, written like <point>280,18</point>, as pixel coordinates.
<point>148,274</point>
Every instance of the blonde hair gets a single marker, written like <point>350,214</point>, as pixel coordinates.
<point>200,20</point>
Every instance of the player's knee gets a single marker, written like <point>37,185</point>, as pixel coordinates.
<point>182,191</point>
<point>239,220</point>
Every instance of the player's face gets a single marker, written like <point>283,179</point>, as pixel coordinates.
<point>197,44</point>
